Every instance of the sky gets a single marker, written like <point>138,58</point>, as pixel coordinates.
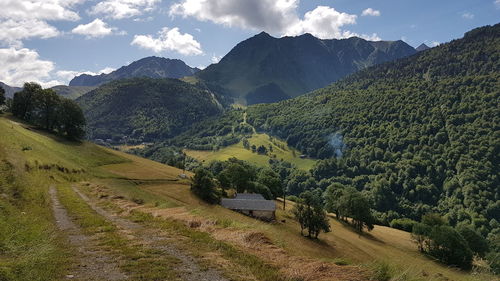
<point>51,41</point>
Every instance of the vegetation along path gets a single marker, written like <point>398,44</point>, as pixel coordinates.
<point>189,269</point>
<point>93,264</point>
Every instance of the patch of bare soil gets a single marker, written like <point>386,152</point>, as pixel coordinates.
<point>92,264</point>
<point>189,268</point>
<point>258,244</point>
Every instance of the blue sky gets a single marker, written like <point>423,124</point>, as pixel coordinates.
<point>50,41</point>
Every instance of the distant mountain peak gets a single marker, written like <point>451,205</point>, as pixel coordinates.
<point>422,47</point>
<point>152,67</point>
<point>289,66</point>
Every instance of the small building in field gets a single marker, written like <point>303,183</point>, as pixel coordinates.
<point>251,204</point>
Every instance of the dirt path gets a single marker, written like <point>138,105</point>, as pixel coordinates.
<point>92,264</point>
<point>189,268</point>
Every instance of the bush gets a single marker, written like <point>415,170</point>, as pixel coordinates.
<point>403,224</point>
<point>475,241</point>
<point>448,246</point>
<point>204,186</point>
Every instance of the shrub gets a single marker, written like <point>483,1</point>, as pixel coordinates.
<point>204,186</point>
<point>450,247</point>
<point>403,224</point>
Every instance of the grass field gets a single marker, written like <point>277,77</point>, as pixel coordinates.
<point>30,161</point>
<point>280,151</point>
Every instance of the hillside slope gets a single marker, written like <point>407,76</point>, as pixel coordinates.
<point>9,91</point>
<point>152,67</point>
<point>267,69</point>
<point>72,92</point>
<point>145,109</point>
<point>419,134</point>
<point>238,246</point>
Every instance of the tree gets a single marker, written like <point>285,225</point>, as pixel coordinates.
<point>257,187</point>
<point>272,180</point>
<point>332,196</point>
<point>204,186</point>
<point>475,241</point>
<point>433,219</point>
<point>419,234</point>
<point>450,247</point>
<point>261,149</point>
<point>310,214</point>
<point>436,238</point>
<point>70,120</point>
<point>246,143</point>
<point>24,102</point>
<point>46,105</point>
<point>2,96</point>
<point>354,205</point>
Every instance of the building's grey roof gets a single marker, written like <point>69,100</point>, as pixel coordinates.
<point>248,204</point>
<point>252,196</point>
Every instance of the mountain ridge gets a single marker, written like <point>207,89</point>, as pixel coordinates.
<point>296,64</point>
<point>152,67</point>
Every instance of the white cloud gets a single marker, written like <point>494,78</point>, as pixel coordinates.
<point>435,43</point>
<point>23,19</point>
<point>215,59</point>
<point>467,16</point>
<point>372,37</point>
<point>274,16</point>
<point>497,3</point>
<point>107,70</point>
<point>323,22</point>
<point>270,15</point>
<point>169,40</point>
<point>39,9</point>
<point>94,29</point>
<point>119,9</point>
<point>12,32</point>
<point>371,12</point>
<point>67,75</point>
<point>24,65</point>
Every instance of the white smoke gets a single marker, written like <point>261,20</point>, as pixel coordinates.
<point>336,142</point>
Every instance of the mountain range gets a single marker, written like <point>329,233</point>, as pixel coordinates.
<point>422,47</point>
<point>267,69</point>
<point>9,91</point>
<point>152,67</point>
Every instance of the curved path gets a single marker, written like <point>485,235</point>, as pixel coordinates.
<point>188,269</point>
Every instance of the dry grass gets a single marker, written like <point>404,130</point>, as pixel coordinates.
<point>278,243</point>
<point>141,168</point>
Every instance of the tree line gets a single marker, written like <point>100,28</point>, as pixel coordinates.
<point>47,110</point>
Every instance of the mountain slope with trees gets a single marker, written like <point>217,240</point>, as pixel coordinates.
<point>286,67</point>
<point>418,135</point>
<point>145,109</point>
<point>9,91</point>
<point>152,67</point>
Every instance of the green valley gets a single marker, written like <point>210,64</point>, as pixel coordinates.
<point>154,198</point>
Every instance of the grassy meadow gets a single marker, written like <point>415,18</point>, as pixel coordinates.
<point>280,151</point>
<point>31,248</point>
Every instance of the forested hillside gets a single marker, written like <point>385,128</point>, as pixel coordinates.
<point>264,69</point>
<point>145,109</point>
<point>72,92</point>
<point>417,135</point>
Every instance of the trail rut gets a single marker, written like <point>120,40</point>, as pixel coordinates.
<point>92,264</point>
<point>189,269</point>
